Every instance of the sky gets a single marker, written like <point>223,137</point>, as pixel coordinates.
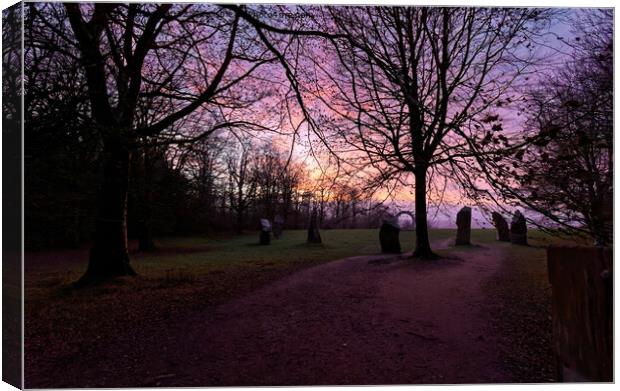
<point>316,162</point>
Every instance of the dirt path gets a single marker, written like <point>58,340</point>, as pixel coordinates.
<point>361,320</point>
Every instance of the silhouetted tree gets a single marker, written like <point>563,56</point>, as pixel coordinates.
<point>154,73</point>
<point>62,151</point>
<point>565,172</point>
<point>241,182</point>
<point>406,81</point>
<point>276,177</point>
<point>204,164</point>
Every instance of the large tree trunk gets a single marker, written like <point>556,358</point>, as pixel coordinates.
<point>109,256</point>
<point>422,245</point>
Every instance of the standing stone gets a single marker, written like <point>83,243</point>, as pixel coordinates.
<point>388,236</point>
<point>463,223</point>
<point>518,229</point>
<point>503,233</point>
<point>313,229</point>
<point>278,226</point>
<point>265,232</point>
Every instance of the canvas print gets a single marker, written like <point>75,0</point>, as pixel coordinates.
<point>292,195</point>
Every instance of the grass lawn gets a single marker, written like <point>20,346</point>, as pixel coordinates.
<point>289,251</point>
<point>199,257</point>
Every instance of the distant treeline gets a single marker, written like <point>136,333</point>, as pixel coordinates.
<point>218,185</point>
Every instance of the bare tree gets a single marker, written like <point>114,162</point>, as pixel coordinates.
<point>154,73</point>
<point>407,81</point>
<point>241,182</point>
<point>62,149</point>
<point>277,177</point>
<point>565,171</point>
<point>204,164</point>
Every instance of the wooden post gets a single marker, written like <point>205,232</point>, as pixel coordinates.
<point>582,297</point>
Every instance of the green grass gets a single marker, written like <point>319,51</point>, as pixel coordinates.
<point>194,258</point>
<point>244,250</point>
<point>200,256</point>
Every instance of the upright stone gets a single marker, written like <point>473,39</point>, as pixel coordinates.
<point>518,229</point>
<point>265,232</point>
<point>388,236</point>
<point>313,229</point>
<point>463,223</point>
<point>278,226</point>
<point>503,233</point>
